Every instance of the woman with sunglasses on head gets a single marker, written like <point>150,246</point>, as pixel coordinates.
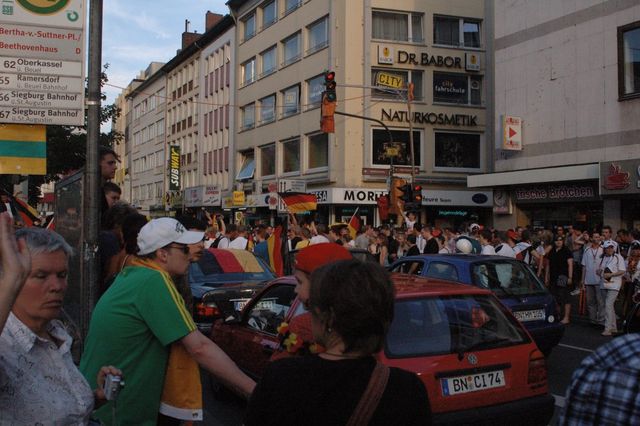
<point>351,305</point>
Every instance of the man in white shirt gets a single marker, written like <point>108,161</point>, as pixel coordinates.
<point>240,241</point>
<point>607,235</point>
<point>485,241</point>
<point>611,269</point>
<point>502,248</point>
<point>591,281</point>
<point>322,235</point>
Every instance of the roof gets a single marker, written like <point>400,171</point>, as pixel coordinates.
<point>408,285</point>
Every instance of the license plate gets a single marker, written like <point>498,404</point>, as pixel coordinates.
<point>238,304</point>
<point>472,383</point>
<point>534,315</point>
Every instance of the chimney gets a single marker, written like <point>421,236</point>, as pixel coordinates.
<point>188,38</point>
<point>211,19</point>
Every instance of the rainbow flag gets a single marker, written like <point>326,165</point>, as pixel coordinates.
<point>298,202</point>
<point>23,149</point>
<point>274,247</point>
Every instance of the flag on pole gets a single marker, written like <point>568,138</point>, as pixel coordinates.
<point>274,247</point>
<point>354,224</point>
<point>28,214</point>
<point>297,202</point>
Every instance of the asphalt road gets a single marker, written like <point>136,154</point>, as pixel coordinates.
<point>580,339</point>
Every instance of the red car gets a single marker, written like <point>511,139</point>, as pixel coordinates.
<point>478,363</point>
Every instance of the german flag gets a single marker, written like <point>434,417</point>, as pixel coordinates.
<point>274,246</point>
<point>298,202</point>
<point>28,214</point>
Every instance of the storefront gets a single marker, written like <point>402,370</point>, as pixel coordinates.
<point>620,180</point>
<point>454,208</point>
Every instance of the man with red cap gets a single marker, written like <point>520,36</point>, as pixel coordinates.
<point>296,337</point>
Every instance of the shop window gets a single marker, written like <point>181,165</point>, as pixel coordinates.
<point>397,26</point>
<point>400,144</point>
<point>459,32</point>
<point>249,26</point>
<point>248,72</point>
<point>629,60</point>
<point>457,151</point>
<point>269,14</point>
<point>268,160</point>
<point>318,151</point>
<point>291,49</point>
<point>318,35</point>
<point>315,87</point>
<point>248,167</point>
<point>459,89</point>
<point>267,109</point>
<point>291,156</point>
<point>268,59</point>
<point>380,77</point>
<point>291,100</point>
<point>248,113</point>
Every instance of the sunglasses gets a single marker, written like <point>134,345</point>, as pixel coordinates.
<point>184,248</point>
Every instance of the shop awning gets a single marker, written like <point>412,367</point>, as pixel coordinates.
<point>547,174</point>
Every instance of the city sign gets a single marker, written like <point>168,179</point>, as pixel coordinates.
<point>42,62</point>
<point>386,79</point>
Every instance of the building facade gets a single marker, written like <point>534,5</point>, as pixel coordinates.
<point>145,159</point>
<point>376,49</point>
<point>567,113</point>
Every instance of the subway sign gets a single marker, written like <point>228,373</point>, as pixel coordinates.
<point>174,168</point>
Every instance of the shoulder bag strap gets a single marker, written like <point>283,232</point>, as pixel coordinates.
<point>371,396</point>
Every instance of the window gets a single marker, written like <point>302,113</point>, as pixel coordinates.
<point>291,100</point>
<point>248,116</point>
<point>457,88</point>
<point>397,26</point>
<point>268,59</point>
<point>291,156</point>
<point>249,26</point>
<point>442,270</point>
<point>400,142</point>
<point>248,166</point>
<point>269,14</point>
<point>268,160</point>
<point>291,49</point>
<point>160,127</point>
<point>267,109</point>
<point>629,60</point>
<point>318,150</point>
<point>291,5</point>
<point>249,72</point>
<point>315,87</point>
<point>457,150</point>
<point>412,76</point>
<point>318,35</point>
<point>452,31</point>
<point>271,309</point>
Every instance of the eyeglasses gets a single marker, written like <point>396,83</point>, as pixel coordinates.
<point>183,247</point>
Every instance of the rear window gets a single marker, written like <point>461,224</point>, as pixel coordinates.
<point>507,278</point>
<point>454,324</point>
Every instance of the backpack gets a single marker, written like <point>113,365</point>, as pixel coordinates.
<point>217,241</point>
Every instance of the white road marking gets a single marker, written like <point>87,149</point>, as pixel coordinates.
<point>559,400</point>
<point>578,348</point>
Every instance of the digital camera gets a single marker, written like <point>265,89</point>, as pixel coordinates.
<point>111,387</point>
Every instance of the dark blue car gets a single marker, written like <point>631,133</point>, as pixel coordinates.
<point>512,281</point>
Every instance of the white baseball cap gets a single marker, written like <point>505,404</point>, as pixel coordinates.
<point>474,226</point>
<point>608,244</point>
<point>161,232</point>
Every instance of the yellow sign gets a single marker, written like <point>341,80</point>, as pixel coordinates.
<point>390,80</point>
<point>23,149</point>
<point>238,198</point>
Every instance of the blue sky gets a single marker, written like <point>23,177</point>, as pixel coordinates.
<point>136,33</point>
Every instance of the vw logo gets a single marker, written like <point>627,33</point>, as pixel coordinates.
<point>473,360</point>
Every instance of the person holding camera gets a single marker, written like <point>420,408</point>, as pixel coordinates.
<point>39,383</point>
<point>610,271</point>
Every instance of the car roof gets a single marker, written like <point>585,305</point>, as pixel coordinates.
<point>409,285</point>
<point>461,257</point>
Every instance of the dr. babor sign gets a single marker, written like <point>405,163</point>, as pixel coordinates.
<point>42,62</point>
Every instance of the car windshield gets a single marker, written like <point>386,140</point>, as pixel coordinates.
<point>505,277</point>
<point>452,324</point>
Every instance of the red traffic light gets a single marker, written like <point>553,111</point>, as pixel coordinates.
<point>329,76</point>
<point>417,194</point>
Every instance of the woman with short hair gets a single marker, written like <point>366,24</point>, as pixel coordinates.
<point>351,305</point>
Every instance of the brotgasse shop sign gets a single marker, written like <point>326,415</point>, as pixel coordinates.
<point>430,118</point>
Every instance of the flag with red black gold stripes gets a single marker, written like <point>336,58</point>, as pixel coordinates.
<point>297,202</point>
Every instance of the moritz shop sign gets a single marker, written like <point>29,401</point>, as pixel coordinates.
<point>460,120</point>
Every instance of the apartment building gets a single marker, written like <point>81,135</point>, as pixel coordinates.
<point>146,157</point>
<point>376,49</point>
<point>567,112</point>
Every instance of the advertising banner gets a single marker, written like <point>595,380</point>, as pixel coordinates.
<point>174,168</point>
<point>620,177</point>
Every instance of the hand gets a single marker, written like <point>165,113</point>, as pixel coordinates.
<point>102,373</point>
<point>607,276</point>
<point>16,260</point>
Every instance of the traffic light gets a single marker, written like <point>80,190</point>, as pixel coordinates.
<point>416,199</point>
<point>328,106</point>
